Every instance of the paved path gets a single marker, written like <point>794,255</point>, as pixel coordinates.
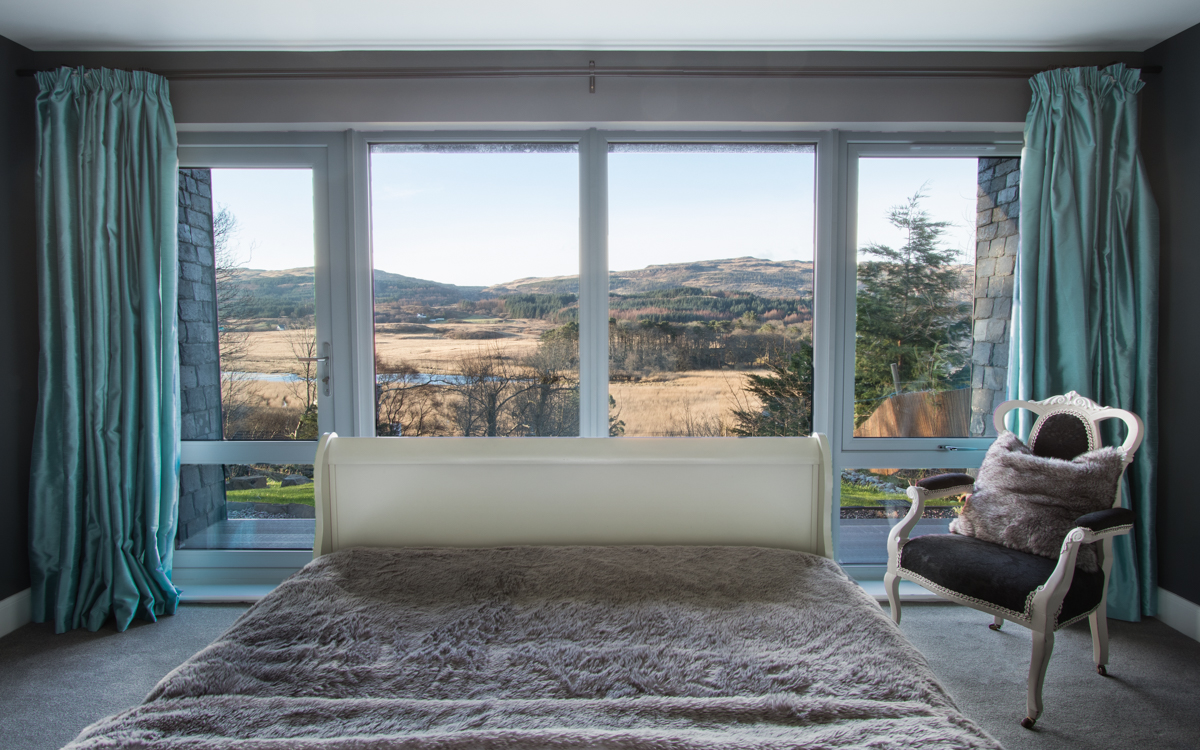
<point>864,540</point>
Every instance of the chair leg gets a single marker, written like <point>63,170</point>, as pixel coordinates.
<point>1099,622</point>
<point>998,623</point>
<point>891,584</point>
<point>1043,645</point>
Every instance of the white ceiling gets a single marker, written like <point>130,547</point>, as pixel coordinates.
<point>1001,25</point>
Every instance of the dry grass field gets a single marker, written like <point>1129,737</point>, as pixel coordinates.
<point>434,351</point>
<point>685,403</point>
<point>697,402</point>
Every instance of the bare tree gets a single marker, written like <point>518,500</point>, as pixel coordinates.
<point>303,343</point>
<point>549,403</point>
<point>237,389</point>
<point>407,402</point>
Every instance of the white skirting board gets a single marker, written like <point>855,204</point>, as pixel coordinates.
<point>15,612</point>
<point>1179,613</point>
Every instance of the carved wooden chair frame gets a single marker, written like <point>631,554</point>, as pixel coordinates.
<point>1047,599</point>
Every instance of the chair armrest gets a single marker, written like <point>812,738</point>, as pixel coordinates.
<point>1110,519</point>
<point>945,485</point>
<point>1093,527</point>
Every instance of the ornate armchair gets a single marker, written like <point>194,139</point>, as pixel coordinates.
<point>1037,592</point>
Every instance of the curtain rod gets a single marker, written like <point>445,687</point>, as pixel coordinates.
<point>218,74</point>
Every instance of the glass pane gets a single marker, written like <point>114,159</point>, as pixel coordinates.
<point>247,304</point>
<point>251,506</point>
<point>875,500</point>
<point>710,289</point>
<point>476,263</point>
<point>937,244</point>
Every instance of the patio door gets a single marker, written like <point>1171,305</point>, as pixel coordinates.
<point>262,374</point>
<point>931,236</point>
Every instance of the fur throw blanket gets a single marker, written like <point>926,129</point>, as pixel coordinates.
<point>1029,503</point>
<point>624,648</point>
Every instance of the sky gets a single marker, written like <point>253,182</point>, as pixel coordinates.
<point>480,219</point>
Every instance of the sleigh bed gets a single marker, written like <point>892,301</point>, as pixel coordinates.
<point>638,593</point>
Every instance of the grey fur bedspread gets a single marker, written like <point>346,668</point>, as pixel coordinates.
<point>676,648</point>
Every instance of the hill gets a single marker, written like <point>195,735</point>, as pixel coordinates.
<point>289,292</point>
<point>762,278</point>
<point>703,290</point>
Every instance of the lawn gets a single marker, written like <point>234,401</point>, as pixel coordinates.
<point>858,495</point>
<point>274,493</point>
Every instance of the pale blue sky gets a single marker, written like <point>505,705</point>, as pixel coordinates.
<point>478,219</point>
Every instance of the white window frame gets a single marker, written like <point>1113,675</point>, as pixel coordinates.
<point>343,224</point>
<point>318,153</point>
<point>239,575</point>
<point>850,452</point>
<point>593,241</point>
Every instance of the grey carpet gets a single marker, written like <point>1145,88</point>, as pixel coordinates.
<point>53,686</point>
<point>1150,700</point>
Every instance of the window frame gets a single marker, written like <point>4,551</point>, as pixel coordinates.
<point>862,146</point>
<point>343,222</point>
<point>593,146</point>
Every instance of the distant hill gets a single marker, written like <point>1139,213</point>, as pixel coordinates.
<point>288,292</point>
<point>764,278</point>
<point>284,293</point>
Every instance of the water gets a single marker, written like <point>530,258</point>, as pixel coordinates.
<point>274,377</point>
<point>420,378</point>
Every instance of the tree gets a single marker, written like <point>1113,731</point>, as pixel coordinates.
<point>232,303</point>
<point>408,403</point>
<point>303,343</point>
<point>785,398</point>
<point>907,315</point>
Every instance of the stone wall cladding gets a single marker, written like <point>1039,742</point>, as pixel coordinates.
<point>201,488</point>
<point>997,240</point>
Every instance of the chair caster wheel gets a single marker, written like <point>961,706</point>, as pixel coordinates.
<point>1027,722</point>
<point>993,626</point>
<point>1102,670</point>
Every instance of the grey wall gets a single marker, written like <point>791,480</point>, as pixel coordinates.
<point>632,101</point>
<point>996,242</point>
<point>18,314</point>
<point>307,102</point>
<point>1171,144</point>
<point>201,488</point>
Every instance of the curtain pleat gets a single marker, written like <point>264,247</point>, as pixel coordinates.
<point>1085,314</point>
<point>104,479</point>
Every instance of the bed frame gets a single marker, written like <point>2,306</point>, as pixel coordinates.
<point>480,492</point>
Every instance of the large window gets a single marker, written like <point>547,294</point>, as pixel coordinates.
<point>588,283</point>
<point>255,345</point>
<point>710,288</point>
<point>475,253</point>
<point>933,235</point>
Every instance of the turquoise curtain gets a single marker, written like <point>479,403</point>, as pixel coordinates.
<point>1085,314</point>
<point>104,481</point>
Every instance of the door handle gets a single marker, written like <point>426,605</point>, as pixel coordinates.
<point>322,362</point>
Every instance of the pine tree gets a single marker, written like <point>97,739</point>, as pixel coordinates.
<point>786,398</point>
<point>906,312</point>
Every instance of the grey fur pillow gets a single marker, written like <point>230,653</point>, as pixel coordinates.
<point>1029,503</point>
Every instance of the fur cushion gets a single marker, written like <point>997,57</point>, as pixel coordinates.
<point>1030,502</point>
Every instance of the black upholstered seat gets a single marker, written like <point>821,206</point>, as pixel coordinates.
<point>994,573</point>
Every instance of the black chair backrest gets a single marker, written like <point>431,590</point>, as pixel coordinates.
<point>1062,435</point>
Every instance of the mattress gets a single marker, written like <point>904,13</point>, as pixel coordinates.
<point>553,647</point>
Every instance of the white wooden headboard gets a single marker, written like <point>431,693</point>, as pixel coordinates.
<point>488,492</point>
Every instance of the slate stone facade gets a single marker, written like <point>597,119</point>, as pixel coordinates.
<point>201,488</point>
<point>997,239</point>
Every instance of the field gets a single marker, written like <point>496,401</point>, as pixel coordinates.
<point>695,402</point>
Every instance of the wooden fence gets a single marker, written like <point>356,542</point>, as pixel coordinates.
<point>921,414</point>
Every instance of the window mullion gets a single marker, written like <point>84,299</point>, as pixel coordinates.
<point>593,285</point>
